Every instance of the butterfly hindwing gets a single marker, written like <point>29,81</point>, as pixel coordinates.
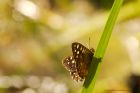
<point>70,64</point>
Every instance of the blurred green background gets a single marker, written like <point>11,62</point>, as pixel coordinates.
<point>36,35</point>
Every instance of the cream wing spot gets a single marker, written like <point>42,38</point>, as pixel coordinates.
<point>77,46</point>
<point>77,52</point>
<point>73,61</point>
<point>81,48</point>
<point>67,59</point>
<point>71,57</point>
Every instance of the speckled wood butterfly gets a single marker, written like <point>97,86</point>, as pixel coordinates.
<point>78,64</point>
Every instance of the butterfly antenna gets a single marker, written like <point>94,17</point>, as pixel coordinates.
<point>89,42</point>
<point>90,38</point>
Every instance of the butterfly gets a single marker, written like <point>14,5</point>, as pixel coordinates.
<point>79,62</point>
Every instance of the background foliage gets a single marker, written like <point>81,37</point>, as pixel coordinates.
<point>35,35</point>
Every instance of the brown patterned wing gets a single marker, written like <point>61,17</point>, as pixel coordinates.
<point>83,57</point>
<point>70,64</point>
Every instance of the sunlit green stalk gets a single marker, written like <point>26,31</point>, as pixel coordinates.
<point>102,46</point>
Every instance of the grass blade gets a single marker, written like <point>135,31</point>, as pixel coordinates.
<point>102,46</point>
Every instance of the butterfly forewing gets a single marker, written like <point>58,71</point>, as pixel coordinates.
<point>83,57</point>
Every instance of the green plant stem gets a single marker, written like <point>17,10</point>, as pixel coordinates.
<point>102,46</point>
